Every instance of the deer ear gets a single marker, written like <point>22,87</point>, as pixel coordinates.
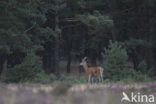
<point>85,58</point>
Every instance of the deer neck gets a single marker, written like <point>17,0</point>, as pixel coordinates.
<point>85,66</point>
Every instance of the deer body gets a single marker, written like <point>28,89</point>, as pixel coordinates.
<point>92,71</point>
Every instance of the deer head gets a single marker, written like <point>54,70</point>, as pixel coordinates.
<point>83,61</point>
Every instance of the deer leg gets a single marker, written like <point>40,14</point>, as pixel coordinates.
<point>101,75</point>
<point>92,79</point>
<point>89,78</point>
<point>99,79</point>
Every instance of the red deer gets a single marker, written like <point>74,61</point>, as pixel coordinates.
<point>92,71</point>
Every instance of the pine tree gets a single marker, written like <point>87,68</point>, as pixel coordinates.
<point>20,20</point>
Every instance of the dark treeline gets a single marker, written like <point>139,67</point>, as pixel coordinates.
<point>72,29</point>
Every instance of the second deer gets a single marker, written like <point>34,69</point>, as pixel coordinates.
<point>92,71</point>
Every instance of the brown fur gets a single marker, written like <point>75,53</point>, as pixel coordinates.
<point>92,71</point>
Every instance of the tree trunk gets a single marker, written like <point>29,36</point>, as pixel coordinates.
<point>68,62</point>
<point>93,60</point>
<point>135,61</point>
<point>57,56</point>
<point>69,48</point>
<point>151,38</point>
<point>57,43</point>
<point>4,69</point>
<point>114,33</point>
<point>113,17</point>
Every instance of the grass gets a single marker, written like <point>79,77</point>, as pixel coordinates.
<point>68,93</point>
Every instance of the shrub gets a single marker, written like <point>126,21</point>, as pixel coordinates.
<point>142,67</point>
<point>115,69</point>
<point>116,58</point>
<point>133,76</point>
<point>25,71</point>
<point>44,78</point>
<point>72,79</point>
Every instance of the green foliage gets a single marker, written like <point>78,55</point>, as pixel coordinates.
<point>115,68</point>
<point>133,44</point>
<point>18,19</point>
<point>44,78</point>
<point>97,21</point>
<point>72,79</point>
<point>107,80</point>
<point>142,67</point>
<point>98,27</point>
<point>27,70</point>
<point>85,26</point>
<point>116,56</point>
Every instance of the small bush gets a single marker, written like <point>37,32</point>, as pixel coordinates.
<point>107,81</point>
<point>44,78</point>
<point>115,69</point>
<point>25,71</point>
<point>72,79</point>
<point>133,76</point>
<point>116,58</point>
<point>142,66</point>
